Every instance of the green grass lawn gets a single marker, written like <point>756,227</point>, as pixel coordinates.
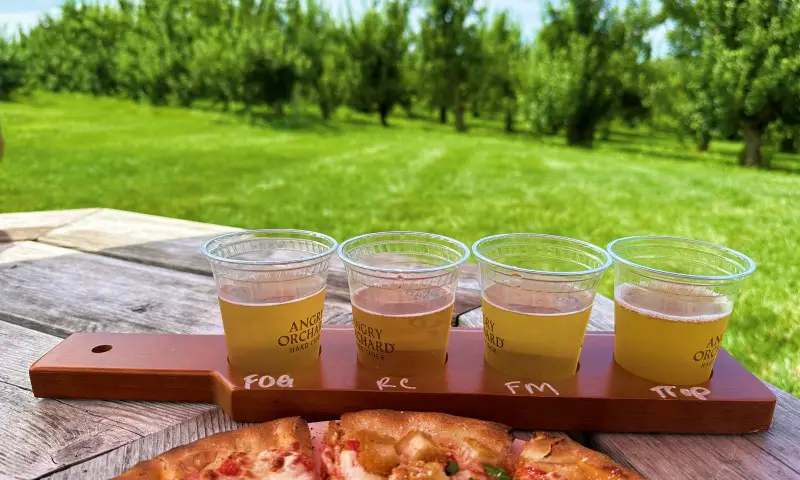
<point>352,176</point>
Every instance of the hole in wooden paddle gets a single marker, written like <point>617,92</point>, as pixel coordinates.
<point>101,348</point>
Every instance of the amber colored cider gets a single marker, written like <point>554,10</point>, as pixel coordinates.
<point>669,334</point>
<point>275,333</point>
<point>535,335</point>
<point>402,332</point>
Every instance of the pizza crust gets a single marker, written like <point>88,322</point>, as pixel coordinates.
<point>443,428</point>
<point>286,434</point>
<point>548,456</point>
<point>417,436</point>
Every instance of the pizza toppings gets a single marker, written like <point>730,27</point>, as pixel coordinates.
<point>418,446</point>
<point>495,472</point>
<point>451,468</point>
<point>419,471</point>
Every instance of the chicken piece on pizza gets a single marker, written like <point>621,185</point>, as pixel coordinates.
<point>275,450</point>
<point>553,457</point>
<point>424,445</point>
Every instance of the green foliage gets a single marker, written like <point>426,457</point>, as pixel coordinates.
<point>377,45</point>
<point>742,60</point>
<point>452,54</point>
<point>589,59</point>
<point>12,67</point>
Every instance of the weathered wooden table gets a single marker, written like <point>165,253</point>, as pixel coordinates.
<point>97,269</point>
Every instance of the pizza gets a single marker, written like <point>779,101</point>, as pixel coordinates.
<point>380,445</point>
<point>275,450</point>
<point>385,444</point>
<point>550,457</point>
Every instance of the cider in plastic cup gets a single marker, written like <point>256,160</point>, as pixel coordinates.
<point>538,292</point>
<point>271,288</point>
<point>402,287</point>
<point>672,301</point>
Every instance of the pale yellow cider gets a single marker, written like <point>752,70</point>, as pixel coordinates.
<point>274,333</point>
<point>402,332</point>
<point>534,334</point>
<point>669,333</point>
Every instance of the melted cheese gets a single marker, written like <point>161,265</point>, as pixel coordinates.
<point>467,474</point>
<point>351,470</point>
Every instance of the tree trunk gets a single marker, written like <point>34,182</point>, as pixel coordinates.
<point>580,134</point>
<point>383,109</point>
<point>703,141</point>
<point>476,113</point>
<point>442,115</point>
<point>459,112</point>
<point>325,109</point>
<point>788,145</point>
<point>753,136</point>
<point>509,121</point>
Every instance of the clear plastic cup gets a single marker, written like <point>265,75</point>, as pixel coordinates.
<point>271,287</point>
<point>402,287</point>
<point>538,292</point>
<point>673,297</point>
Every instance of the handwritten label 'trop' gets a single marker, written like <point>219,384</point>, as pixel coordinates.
<point>665,391</point>
<point>267,381</point>
<point>384,383</point>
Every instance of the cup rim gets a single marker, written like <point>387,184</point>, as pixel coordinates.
<point>454,242</point>
<point>751,265</point>
<point>591,271</point>
<point>204,249</point>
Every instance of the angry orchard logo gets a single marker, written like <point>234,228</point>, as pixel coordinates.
<point>708,354</point>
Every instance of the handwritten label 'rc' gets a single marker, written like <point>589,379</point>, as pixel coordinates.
<point>665,391</point>
<point>267,381</point>
<point>384,383</point>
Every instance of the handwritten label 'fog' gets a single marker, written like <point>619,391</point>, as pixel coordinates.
<point>268,381</point>
<point>666,391</point>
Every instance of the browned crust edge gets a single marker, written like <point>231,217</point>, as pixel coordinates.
<point>552,453</point>
<point>290,434</point>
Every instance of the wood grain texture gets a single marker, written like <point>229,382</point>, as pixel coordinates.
<point>119,460</point>
<point>40,436</point>
<point>774,453</point>
<point>31,225</point>
<point>148,239</point>
<point>61,291</point>
<point>601,319</point>
<point>175,244</point>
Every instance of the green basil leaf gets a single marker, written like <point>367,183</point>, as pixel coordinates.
<point>495,472</point>
<point>451,468</point>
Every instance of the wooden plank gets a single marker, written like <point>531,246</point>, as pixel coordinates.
<point>602,318</point>
<point>61,291</point>
<point>31,225</point>
<point>124,457</point>
<point>149,239</point>
<point>771,454</point>
<point>175,244</point>
<point>40,436</point>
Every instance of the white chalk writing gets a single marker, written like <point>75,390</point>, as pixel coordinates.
<point>515,385</point>
<point>384,383</point>
<point>267,381</point>
<point>668,391</point>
